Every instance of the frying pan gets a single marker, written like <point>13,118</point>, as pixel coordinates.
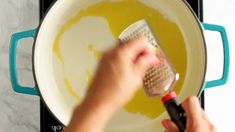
<point>49,78</point>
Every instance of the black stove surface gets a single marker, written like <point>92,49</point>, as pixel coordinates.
<point>47,122</point>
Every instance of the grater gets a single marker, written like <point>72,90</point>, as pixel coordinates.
<point>160,78</point>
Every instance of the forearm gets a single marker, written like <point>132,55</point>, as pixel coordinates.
<point>90,116</point>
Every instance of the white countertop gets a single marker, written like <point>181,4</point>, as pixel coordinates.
<point>18,113</point>
<point>220,105</point>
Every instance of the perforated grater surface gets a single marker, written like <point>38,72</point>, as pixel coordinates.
<point>160,78</point>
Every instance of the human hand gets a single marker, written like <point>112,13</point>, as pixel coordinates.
<point>197,121</point>
<point>120,72</point>
<point>118,77</point>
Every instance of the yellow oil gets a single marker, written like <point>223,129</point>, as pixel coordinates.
<point>119,15</point>
<point>89,77</point>
<point>93,51</point>
<point>71,89</point>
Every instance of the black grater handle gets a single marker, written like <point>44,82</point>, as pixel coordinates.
<point>175,111</point>
<point>177,114</point>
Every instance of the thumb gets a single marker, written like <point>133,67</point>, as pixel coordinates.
<point>170,126</point>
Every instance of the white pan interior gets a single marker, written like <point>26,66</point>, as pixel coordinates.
<point>51,84</point>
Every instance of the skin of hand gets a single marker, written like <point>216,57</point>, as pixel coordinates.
<point>119,75</point>
<point>197,121</point>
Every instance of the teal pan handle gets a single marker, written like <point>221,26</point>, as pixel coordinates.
<point>12,62</point>
<point>224,37</point>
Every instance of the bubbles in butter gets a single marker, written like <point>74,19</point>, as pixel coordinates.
<point>82,39</point>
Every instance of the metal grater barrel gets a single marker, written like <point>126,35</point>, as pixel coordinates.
<point>160,78</point>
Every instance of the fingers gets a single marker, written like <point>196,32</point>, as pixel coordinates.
<point>136,46</point>
<point>194,114</point>
<point>141,54</point>
<point>143,62</point>
<point>192,108</point>
<point>170,126</point>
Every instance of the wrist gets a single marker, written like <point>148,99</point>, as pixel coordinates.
<point>103,98</point>
<point>99,104</point>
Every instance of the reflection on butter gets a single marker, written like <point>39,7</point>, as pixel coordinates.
<point>119,15</point>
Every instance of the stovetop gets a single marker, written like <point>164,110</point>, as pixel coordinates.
<point>47,122</point>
